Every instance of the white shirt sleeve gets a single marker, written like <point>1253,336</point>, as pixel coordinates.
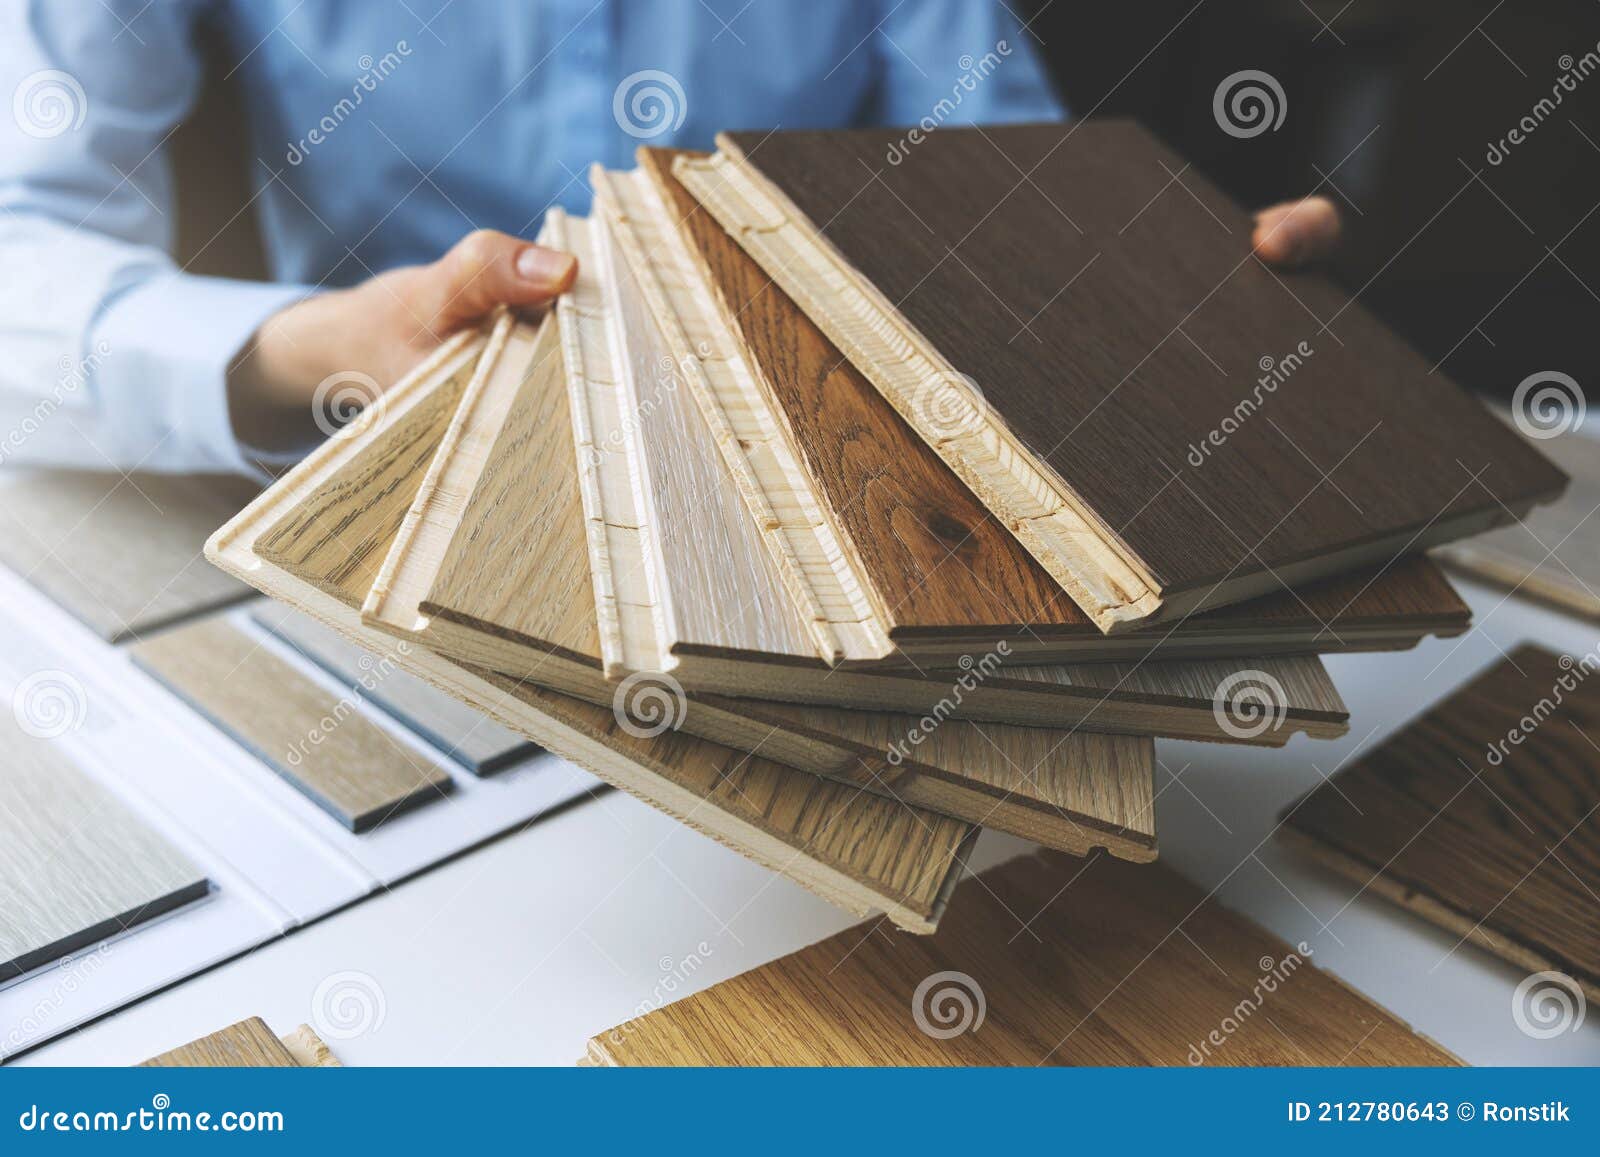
<point>110,356</point>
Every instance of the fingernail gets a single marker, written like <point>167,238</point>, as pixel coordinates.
<point>544,266</point>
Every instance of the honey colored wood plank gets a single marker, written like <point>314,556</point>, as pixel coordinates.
<point>1045,961</point>
<point>853,849</point>
<point>1553,554</point>
<point>308,1049</point>
<point>465,735</point>
<point>77,866</point>
<point>1067,790</point>
<point>1483,815</point>
<point>1096,348</point>
<point>248,1044</point>
<point>938,565</point>
<point>317,741</point>
<point>121,554</point>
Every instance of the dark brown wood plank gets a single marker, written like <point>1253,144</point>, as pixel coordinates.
<point>1109,310</point>
<point>1482,814</point>
<point>1118,965</point>
<point>941,562</point>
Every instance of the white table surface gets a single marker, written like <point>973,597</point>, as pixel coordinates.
<point>520,951</point>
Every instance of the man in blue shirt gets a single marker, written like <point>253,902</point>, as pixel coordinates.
<point>403,152</point>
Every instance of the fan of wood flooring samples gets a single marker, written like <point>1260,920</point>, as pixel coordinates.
<point>121,554</point>
<point>1045,961</point>
<point>1483,815</point>
<point>336,515</point>
<point>77,866</point>
<point>488,541</point>
<point>1164,422</point>
<point>939,573</point>
<point>477,542</point>
<point>1554,553</point>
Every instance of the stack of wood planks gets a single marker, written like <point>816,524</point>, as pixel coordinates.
<point>778,521</point>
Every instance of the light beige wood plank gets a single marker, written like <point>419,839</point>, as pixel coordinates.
<point>77,866</point>
<point>319,742</point>
<point>308,1049</point>
<point>249,1044</point>
<point>122,555</point>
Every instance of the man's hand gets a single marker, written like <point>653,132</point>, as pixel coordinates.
<point>1297,232</point>
<point>381,328</point>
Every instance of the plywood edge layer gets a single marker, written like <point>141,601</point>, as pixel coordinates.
<point>819,571</point>
<point>632,603</point>
<point>944,406</point>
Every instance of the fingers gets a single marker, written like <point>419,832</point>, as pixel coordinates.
<point>487,269</point>
<point>1297,232</point>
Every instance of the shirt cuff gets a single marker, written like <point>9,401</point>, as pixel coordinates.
<point>164,349</point>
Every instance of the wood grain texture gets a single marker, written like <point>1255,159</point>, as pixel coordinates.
<point>77,866</point>
<point>477,742</point>
<point>939,567</point>
<point>249,1044</point>
<point>1112,321</point>
<point>853,849</point>
<point>309,1050</point>
<point>1552,554</point>
<point>1483,815</point>
<point>122,555</point>
<point>317,741</point>
<point>1046,961</point>
<point>1067,790</point>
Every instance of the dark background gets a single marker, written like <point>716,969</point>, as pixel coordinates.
<point>1391,107</point>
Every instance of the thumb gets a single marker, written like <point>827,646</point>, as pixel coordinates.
<point>487,269</point>
<point>1297,232</point>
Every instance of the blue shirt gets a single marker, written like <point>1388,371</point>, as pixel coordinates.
<point>382,132</point>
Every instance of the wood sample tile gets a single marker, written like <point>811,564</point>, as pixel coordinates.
<point>123,555</point>
<point>856,850</point>
<point>1553,553</point>
<point>77,866</point>
<point>1067,790</point>
<point>1482,815</point>
<point>317,741</point>
<point>940,571</point>
<point>484,532</point>
<point>1047,960</point>
<point>248,1044</point>
<point>468,736</point>
<point>1164,422</point>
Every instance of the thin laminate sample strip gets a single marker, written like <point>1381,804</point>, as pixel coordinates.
<point>76,865</point>
<point>853,849</point>
<point>468,736</point>
<point>122,555</point>
<point>1482,815</point>
<point>1045,961</point>
<point>318,742</point>
<point>1151,413</point>
<point>496,554</point>
<point>938,568</point>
